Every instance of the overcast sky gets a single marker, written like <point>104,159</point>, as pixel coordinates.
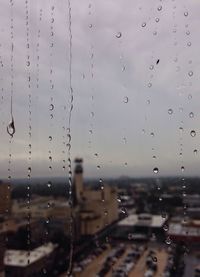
<point>135,78</point>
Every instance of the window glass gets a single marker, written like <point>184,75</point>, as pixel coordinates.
<point>99,163</point>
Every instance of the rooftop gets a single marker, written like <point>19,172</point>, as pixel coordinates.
<point>22,258</point>
<point>178,229</point>
<point>148,220</point>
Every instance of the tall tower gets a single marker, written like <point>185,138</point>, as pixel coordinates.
<point>78,179</point>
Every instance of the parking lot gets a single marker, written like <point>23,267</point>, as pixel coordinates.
<point>192,261</point>
<point>140,268</point>
<point>95,265</point>
<point>123,260</point>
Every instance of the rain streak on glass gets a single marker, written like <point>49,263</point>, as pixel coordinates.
<point>91,54</point>
<point>29,91</point>
<point>69,141</point>
<point>11,125</point>
<point>38,50</point>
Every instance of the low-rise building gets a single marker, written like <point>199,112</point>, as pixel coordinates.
<point>21,263</point>
<point>140,226</point>
<point>185,231</point>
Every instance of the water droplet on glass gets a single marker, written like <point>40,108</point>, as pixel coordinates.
<point>29,169</point>
<point>119,200</point>
<point>96,154</point>
<point>165,227</point>
<point>98,167</point>
<point>126,99</point>
<point>149,85</point>
<point>130,236</point>
<point>170,111</point>
<point>193,133</point>
<point>187,32</point>
<point>195,151</point>
<point>157,19</point>
<point>159,8</point>
<point>28,63</point>
<point>49,184</point>
<point>189,43</point>
<point>182,168</point>
<point>151,67</point>
<point>144,24</point>
<point>50,138</point>
<point>168,241</point>
<point>154,259</point>
<point>157,62</point>
<point>191,114</point>
<point>51,107</point>
<point>184,194</point>
<point>152,134</point>
<point>186,13</point>
<point>90,25</point>
<point>123,68</point>
<point>164,215</point>
<point>189,96</point>
<point>190,73</point>
<point>123,210</point>
<point>124,140</point>
<point>11,128</point>
<point>155,170</point>
<point>118,35</point>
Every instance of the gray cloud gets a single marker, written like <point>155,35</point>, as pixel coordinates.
<point>121,68</point>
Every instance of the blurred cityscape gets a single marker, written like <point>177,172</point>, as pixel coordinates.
<point>124,227</point>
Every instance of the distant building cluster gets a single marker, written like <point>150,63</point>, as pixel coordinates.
<point>35,235</point>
